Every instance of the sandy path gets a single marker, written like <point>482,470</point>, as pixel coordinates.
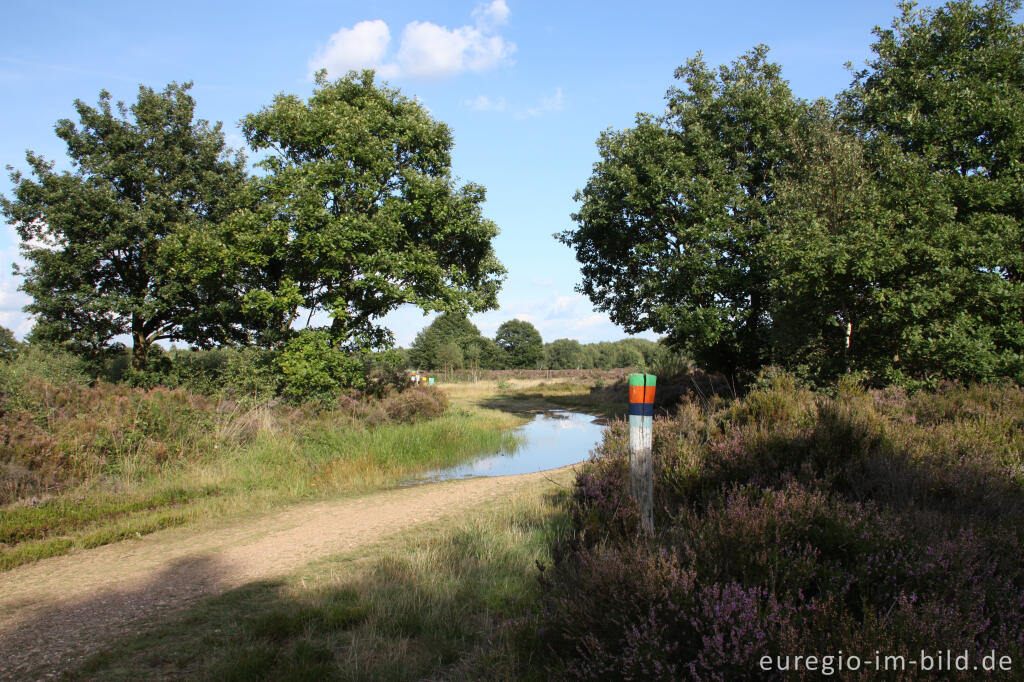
<point>57,611</point>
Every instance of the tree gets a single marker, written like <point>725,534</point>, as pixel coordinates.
<point>672,223</point>
<point>133,240</point>
<point>9,345</point>
<point>446,328</point>
<point>449,357</point>
<point>832,251</point>
<point>521,342</point>
<point>358,213</point>
<point>564,354</point>
<point>941,107</point>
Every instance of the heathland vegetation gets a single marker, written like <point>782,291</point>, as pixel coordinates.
<point>841,479</point>
<point>87,461</point>
<point>844,262</point>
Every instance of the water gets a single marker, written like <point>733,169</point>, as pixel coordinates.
<point>553,439</point>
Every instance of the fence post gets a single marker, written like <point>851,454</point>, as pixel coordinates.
<point>641,424</point>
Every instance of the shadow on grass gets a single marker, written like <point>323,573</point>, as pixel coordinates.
<point>453,603</point>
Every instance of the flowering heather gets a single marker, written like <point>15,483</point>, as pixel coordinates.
<point>788,523</point>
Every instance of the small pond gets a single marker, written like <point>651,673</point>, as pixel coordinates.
<point>553,439</point>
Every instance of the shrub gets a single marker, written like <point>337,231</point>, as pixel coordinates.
<point>315,371</point>
<point>790,522</point>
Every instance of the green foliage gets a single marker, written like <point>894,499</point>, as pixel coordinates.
<point>9,346</point>
<point>942,108</point>
<point>564,354</point>
<point>131,242</point>
<point>672,220</point>
<point>358,214</point>
<point>885,236</point>
<point>522,344</point>
<point>34,363</point>
<point>449,356</point>
<point>314,370</point>
<point>447,328</point>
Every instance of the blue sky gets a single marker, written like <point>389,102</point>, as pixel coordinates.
<point>526,87</point>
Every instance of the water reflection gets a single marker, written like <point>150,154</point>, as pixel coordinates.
<point>553,439</point>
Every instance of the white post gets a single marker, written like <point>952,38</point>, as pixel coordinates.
<point>641,426</point>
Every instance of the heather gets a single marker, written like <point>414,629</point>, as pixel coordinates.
<point>87,463</point>
<point>792,522</point>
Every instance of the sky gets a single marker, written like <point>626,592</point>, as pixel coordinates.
<point>525,86</point>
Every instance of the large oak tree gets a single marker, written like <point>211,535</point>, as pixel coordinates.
<point>671,227</point>
<point>357,213</point>
<point>131,240</point>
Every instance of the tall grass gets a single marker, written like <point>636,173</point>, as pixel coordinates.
<point>85,465</point>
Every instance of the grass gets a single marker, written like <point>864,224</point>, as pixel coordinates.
<point>451,600</point>
<point>538,394</point>
<point>272,463</point>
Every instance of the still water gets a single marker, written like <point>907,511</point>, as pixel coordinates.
<point>553,439</point>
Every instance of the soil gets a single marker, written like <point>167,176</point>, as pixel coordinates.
<point>58,611</point>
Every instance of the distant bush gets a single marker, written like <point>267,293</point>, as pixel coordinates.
<point>9,346</point>
<point>790,522</point>
<point>40,363</point>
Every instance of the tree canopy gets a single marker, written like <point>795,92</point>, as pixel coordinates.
<point>672,220</point>
<point>358,214</point>
<point>882,234</point>
<point>447,328</point>
<point>522,344</point>
<point>131,241</point>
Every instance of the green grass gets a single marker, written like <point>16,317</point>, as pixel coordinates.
<point>274,464</point>
<point>446,601</point>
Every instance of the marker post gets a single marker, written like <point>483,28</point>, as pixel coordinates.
<point>641,425</point>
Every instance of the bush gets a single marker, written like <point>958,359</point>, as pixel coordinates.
<point>51,364</point>
<point>62,434</point>
<point>791,522</point>
<point>315,371</point>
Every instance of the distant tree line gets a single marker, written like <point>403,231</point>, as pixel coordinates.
<point>452,342</point>
<point>881,233</point>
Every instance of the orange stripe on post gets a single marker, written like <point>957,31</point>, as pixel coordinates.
<point>637,394</point>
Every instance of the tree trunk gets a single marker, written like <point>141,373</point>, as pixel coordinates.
<point>846,347</point>
<point>140,351</point>
<point>140,345</point>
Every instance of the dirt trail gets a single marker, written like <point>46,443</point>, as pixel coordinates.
<point>57,611</point>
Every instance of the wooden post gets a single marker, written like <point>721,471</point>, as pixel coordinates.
<point>641,425</point>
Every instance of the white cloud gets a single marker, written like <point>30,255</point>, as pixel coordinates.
<point>485,103</point>
<point>551,103</point>
<point>361,47</point>
<point>426,50</point>
<point>432,51</point>
<point>490,17</point>
<point>591,321</point>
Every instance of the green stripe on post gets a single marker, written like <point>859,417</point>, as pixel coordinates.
<point>641,470</point>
